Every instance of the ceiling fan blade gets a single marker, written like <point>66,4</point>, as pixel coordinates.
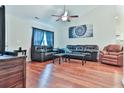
<point>56,15</point>
<point>58,19</point>
<point>73,16</point>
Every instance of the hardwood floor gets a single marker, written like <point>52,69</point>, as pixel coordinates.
<point>73,75</point>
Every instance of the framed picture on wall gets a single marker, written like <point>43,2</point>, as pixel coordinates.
<point>81,31</point>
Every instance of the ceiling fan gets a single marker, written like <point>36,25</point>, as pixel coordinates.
<point>65,16</point>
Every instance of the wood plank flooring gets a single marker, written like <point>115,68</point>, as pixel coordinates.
<point>73,75</point>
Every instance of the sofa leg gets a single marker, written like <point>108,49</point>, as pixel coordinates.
<point>69,59</point>
<point>82,62</point>
<point>53,60</point>
<point>85,61</point>
<point>65,59</point>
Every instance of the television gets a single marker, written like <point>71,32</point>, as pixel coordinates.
<point>2,30</point>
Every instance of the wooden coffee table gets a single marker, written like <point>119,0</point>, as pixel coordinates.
<point>68,55</point>
<point>83,59</point>
<point>60,56</point>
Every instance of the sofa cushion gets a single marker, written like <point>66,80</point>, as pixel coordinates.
<point>49,53</point>
<point>113,53</point>
<point>91,48</point>
<point>110,56</point>
<point>114,48</point>
<point>49,50</point>
<point>79,48</point>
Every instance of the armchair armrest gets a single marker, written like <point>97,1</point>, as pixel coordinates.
<point>103,52</point>
<point>115,53</point>
<point>120,53</point>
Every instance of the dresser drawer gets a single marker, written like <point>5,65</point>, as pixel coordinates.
<point>13,72</point>
<point>11,63</point>
<point>19,84</point>
<point>10,71</point>
<point>11,80</point>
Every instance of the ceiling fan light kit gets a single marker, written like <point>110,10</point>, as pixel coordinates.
<point>65,17</point>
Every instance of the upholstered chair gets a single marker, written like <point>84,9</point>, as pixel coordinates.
<point>112,54</point>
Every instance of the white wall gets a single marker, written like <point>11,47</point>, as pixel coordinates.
<point>120,24</point>
<point>103,22</point>
<point>19,33</point>
<point>19,30</point>
<point>120,29</point>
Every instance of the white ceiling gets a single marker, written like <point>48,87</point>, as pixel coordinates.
<point>44,12</point>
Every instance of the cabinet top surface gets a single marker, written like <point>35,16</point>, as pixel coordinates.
<point>6,57</point>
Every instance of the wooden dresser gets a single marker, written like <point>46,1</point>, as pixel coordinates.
<point>12,72</point>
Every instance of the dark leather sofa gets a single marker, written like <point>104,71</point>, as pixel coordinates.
<point>91,50</point>
<point>41,53</point>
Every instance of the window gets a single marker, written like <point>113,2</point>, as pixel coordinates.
<point>44,40</point>
<point>43,37</point>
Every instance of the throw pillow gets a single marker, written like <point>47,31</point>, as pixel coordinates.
<point>66,50</point>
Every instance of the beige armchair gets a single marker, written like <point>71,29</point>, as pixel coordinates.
<point>112,54</point>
